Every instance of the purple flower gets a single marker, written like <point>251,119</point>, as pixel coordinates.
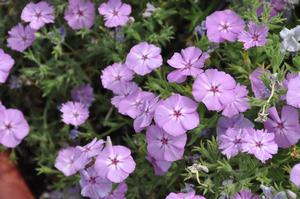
<point>92,185</point>
<point>276,6</point>
<point>115,75</point>
<point>2,107</point>
<point>293,94</point>
<point>295,175</point>
<point>92,149</point>
<point>119,192</point>
<point>224,25</point>
<point>122,91</point>
<point>231,142</point>
<point>260,143</point>
<point>236,122</point>
<point>13,127</point>
<point>286,81</point>
<point>20,37</point>
<point>6,64</point>
<point>286,128</point>
<point>74,113</point>
<point>258,87</point>
<point>215,89</point>
<point>143,58</point>
<point>163,146</point>
<point>239,104</point>
<point>69,161</point>
<point>144,119</point>
<point>255,36</point>
<point>132,104</point>
<point>83,94</point>
<point>244,194</point>
<point>80,14</point>
<point>187,63</point>
<point>115,163</point>
<point>177,114</point>
<point>115,13</point>
<point>161,167</point>
<point>38,14</point>
<point>190,195</point>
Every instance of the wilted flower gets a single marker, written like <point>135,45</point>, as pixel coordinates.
<point>260,143</point>
<point>38,14</point>
<point>20,37</point>
<point>6,64</point>
<point>190,195</point>
<point>143,58</point>
<point>114,75</point>
<point>115,13</point>
<point>187,63</point>
<point>92,185</point>
<point>83,94</point>
<point>73,134</point>
<point>255,36</point>
<point>161,167</point>
<point>215,89</point>
<point>149,10</point>
<point>177,114</point>
<point>69,161</point>
<point>114,163</point>
<point>291,39</point>
<point>80,14</point>
<point>163,146</point>
<point>13,127</point>
<point>244,194</point>
<point>74,113</point>
<point>276,6</point>
<point>224,25</point>
<point>258,87</point>
<point>285,127</point>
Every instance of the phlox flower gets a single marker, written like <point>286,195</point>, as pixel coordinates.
<point>115,13</point>
<point>84,94</point>
<point>255,36</point>
<point>143,58</point>
<point>189,195</point>
<point>244,194</point>
<point>13,127</point>
<point>239,104</point>
<point>293,94</point>
<point>231,142</point>
<point>161,167</point>
<point>215,89</point>
<point>6,64</point>
<point>132,105</point>
<point>260,143</point>
<point>224,25</point>
<point>114,163</point>
<point>187,63</point>
<point>114,75</point>
<point>119,192</point>
<point>92,185</point>
<point>163,146</point>
<point>236,122</point>
<point>69,161</point>
<point>74,113</point>
<point>177,114</point>
<point>295,175</point>
<point>20,37</point>
<point>122,91</point>
<point>38,14</point>
<point>286,127</point>
<point>80,14</point>
<point>92,149</point>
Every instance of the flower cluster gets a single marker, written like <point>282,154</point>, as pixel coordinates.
<point>99,166</point>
